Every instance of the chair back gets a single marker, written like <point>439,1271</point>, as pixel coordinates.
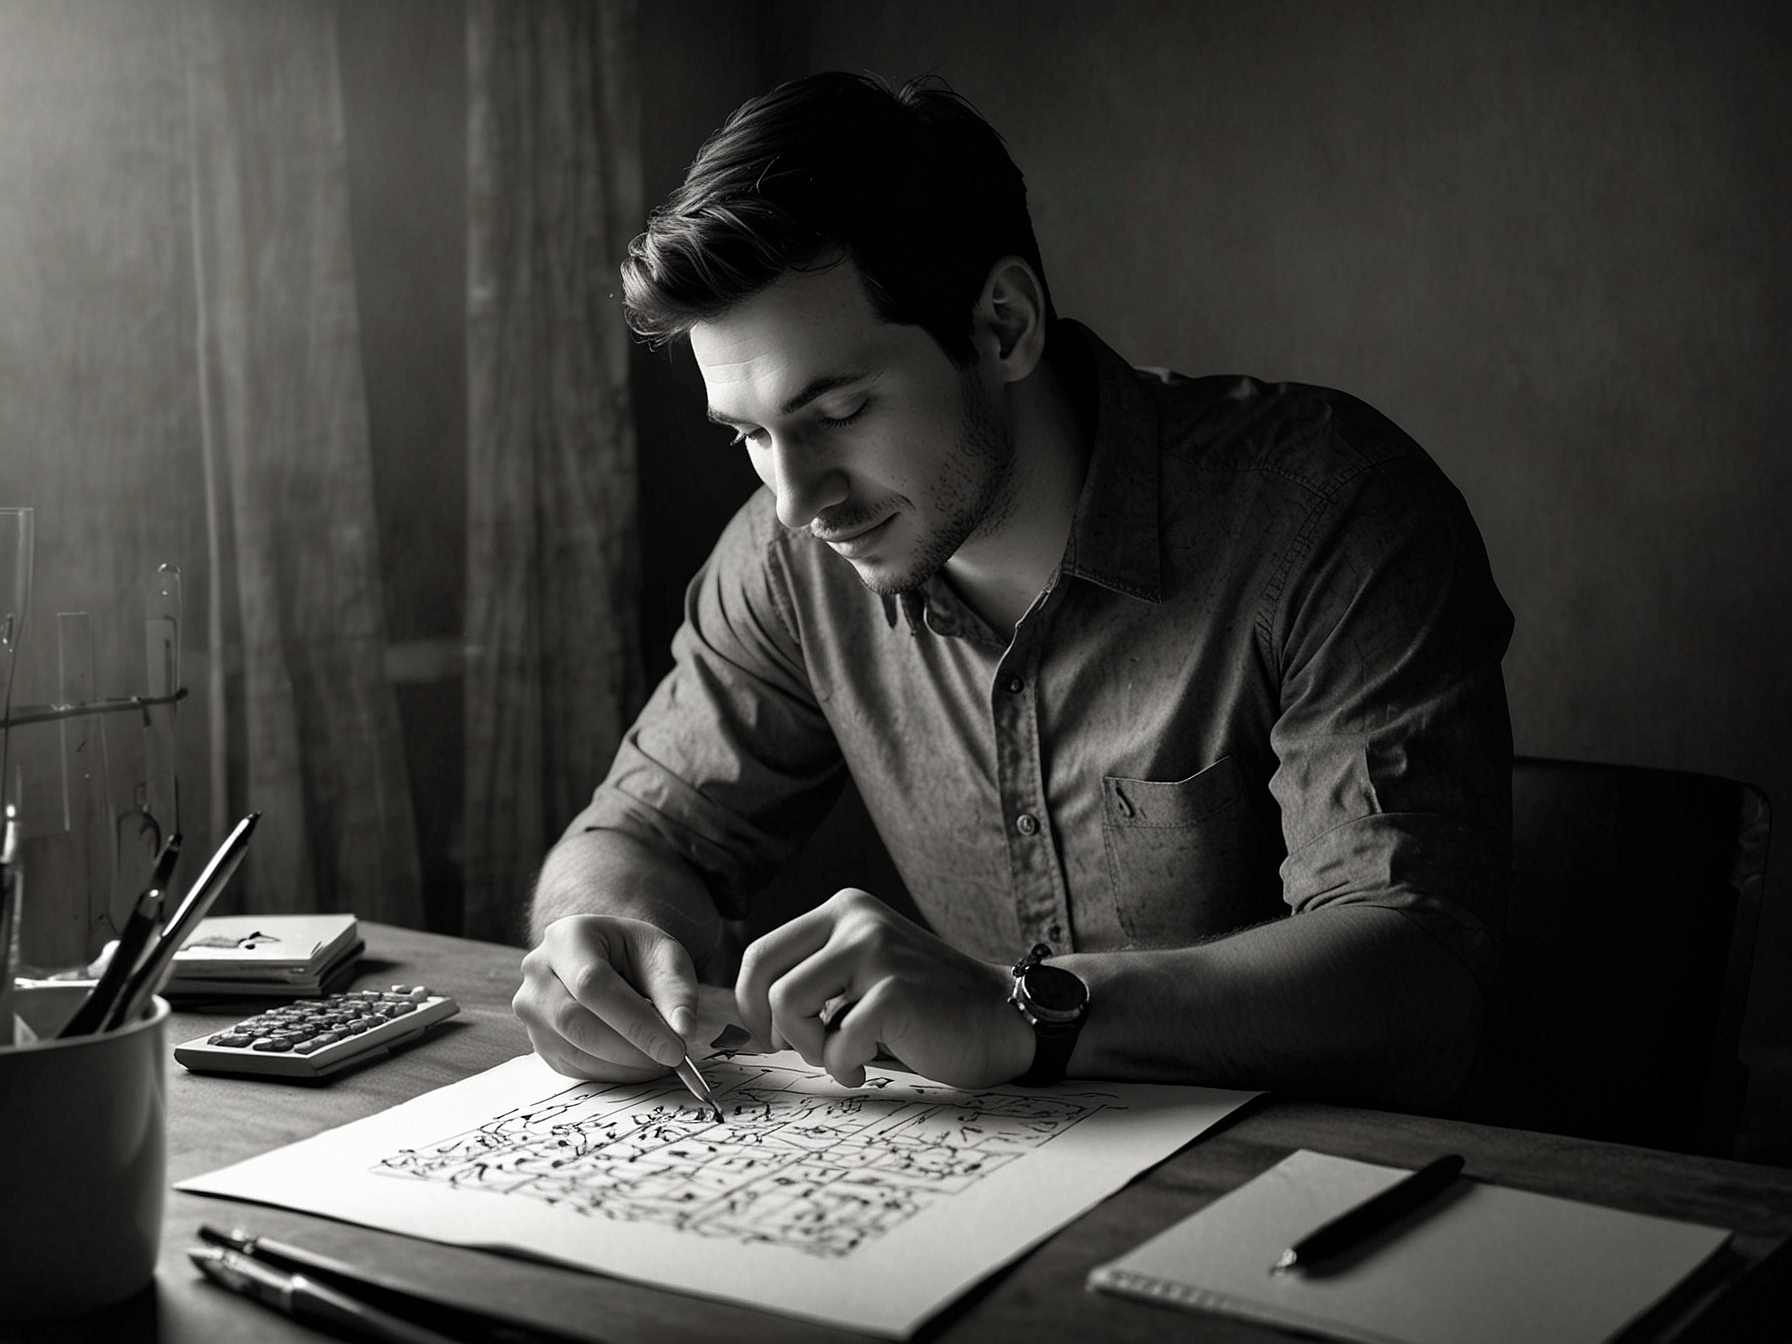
<point>1629,938</point>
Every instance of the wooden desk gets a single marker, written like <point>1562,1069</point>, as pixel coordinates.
<point>213,1121</point>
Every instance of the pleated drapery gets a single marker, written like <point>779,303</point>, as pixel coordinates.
<point>183,384</point>
<point>288,459</point>
<point>553,669</point>
<point>98,427</point>
<point>185,388</point>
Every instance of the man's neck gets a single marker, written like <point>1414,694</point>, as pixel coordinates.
<point>1000,576</point>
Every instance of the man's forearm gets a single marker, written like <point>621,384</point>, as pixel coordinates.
<point>610,873</point>
<point>1352,1002</point>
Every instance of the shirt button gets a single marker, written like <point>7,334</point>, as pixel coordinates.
<point>1026,823</point>
<point>1013,685</point>
<point>1055,932</point>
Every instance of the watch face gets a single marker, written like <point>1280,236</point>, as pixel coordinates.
<point>1055,990</point>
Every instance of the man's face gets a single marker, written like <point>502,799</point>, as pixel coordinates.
<point>865,432</point>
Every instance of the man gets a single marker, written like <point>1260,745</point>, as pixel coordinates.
<point>1195,683</point>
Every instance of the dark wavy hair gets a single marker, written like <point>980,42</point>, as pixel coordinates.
<point>910,183</point>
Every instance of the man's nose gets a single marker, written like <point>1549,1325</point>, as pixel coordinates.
<point>804,481</point>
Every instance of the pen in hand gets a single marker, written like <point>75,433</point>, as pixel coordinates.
<point>692,1078</point>
<point>689,1075</point>
<point>1355,1226</point>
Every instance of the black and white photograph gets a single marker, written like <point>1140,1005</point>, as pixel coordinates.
<point>940,670</point>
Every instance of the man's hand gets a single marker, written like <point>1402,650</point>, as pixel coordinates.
<point>942,1013</point>
<point>599,993</point>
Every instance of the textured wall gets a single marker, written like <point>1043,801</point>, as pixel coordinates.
<point>1547,239</point>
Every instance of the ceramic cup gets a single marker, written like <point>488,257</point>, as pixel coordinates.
<point>83,1154</point>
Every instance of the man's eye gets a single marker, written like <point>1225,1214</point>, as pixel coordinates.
<point>747,436</point>
<point>836,421</point>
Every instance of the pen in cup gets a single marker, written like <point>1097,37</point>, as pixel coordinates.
<point>9,917</point>
<point>153,969</point>
<point>146,917</point>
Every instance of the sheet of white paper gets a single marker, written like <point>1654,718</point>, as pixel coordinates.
<point>868,1208</point>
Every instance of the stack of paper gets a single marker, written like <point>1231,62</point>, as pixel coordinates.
<point>284,956</point>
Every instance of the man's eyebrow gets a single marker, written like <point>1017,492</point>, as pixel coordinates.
<point>819,387</point>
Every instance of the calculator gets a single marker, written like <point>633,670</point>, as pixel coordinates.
<point>313,1038</point>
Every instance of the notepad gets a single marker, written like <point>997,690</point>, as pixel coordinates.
<point>265,955</point>
<point>1482,1265</point>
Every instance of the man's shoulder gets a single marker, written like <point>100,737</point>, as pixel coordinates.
<point>1318,439</point>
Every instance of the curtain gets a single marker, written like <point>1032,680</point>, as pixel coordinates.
<point>288,470</point>
<point>180,383</point>
<point>553,666</point>
<point>98,430</point>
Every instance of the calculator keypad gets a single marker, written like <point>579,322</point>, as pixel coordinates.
<point>314,1037</point>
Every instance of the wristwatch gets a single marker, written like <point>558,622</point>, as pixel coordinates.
<point>1054,1002</point>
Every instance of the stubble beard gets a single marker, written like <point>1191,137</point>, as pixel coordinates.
<point>974,497</point>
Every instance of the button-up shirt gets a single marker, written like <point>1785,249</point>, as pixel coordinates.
<point>1264,679</point>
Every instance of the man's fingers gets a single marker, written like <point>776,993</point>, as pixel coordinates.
<point>610,967</point>
<point>600,988</point>
<point>768,959</point>
<point>592,1035</point>
<point>666,976</point>
<point>853,1038</point>
<point>800,999</point>
<point>573,1040</point>
<point>564,1058</point>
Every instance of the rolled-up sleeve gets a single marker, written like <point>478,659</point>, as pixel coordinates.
<point>731,764</point>
<point>1393,742</point>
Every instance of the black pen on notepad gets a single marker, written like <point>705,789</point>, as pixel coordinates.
<point>1350,1229</point>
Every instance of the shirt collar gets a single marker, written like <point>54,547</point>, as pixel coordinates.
<point>1114,532</point>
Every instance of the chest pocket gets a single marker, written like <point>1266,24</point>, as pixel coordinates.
<point>1182,856</point>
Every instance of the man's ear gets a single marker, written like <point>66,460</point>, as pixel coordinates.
<point>1008,323</point>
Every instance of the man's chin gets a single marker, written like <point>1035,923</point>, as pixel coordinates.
<point>892,578</point>
<point>887,580</point>
<point>889,570</point>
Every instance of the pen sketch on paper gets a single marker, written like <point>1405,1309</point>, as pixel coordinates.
<point>794,1167</point>
<point>867,1208</point>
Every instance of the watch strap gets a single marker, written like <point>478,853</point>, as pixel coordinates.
<point>1053,1043</point>
<point>1054,1036</point>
